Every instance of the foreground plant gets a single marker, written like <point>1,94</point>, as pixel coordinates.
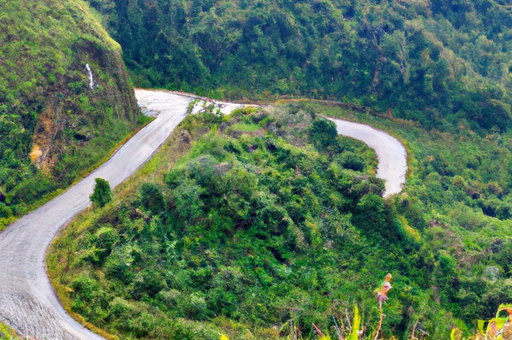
<point>498,328</point>
<point>382,295</point>
<point>355,331</point>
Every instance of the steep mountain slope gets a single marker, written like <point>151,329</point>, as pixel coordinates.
<point>265,219</point>
<point>241,227</point>
<point>436,61</point>
<point>65,99</point>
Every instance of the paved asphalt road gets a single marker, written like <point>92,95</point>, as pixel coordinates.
<point>27,300</point>
<point>390,152</point>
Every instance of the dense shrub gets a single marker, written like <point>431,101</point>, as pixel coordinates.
<point>102,193</point>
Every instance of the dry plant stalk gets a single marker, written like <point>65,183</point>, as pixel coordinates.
<point>382,295</point>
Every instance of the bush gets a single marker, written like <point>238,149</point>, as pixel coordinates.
<point>102,193</point>
<point>5,211</point>
<point>151,198</point>
<point>350,160</point>
<point>323,133</point>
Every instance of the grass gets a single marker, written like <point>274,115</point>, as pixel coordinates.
<point>244,127</point>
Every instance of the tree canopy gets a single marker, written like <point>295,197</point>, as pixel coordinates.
<point>437,62</point>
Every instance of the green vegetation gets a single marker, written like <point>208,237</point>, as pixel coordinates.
<point>436,61</point>
<point>458,196</point>
<point>102,193</point>
<point>54,127</point>
<point>257,223</point>
<point>260,224</point>
<point>268,218</point>
<point>6,333</point>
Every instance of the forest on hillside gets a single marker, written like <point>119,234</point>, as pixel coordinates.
<point>262,219</point>
<point>438,62</point>
<point>242,223</point>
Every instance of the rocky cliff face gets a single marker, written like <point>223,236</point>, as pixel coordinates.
<point>65,98</point>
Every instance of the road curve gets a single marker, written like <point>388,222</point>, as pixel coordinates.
<point>27,300</point>
<point>390,153</point>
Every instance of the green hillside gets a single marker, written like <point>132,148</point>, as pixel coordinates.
<point>53,124</point>
<point>437,62</point>
<point>247,229</point>
<point>271,217</point>
<point>260,224</point>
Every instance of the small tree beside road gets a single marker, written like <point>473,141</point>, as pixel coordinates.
<point>102,193</point>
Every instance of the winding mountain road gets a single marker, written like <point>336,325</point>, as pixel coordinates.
<point>27,299</point>
<point>390,153</point>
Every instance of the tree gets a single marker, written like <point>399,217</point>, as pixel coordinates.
<point>323,133</point>
<point>102,193</point>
